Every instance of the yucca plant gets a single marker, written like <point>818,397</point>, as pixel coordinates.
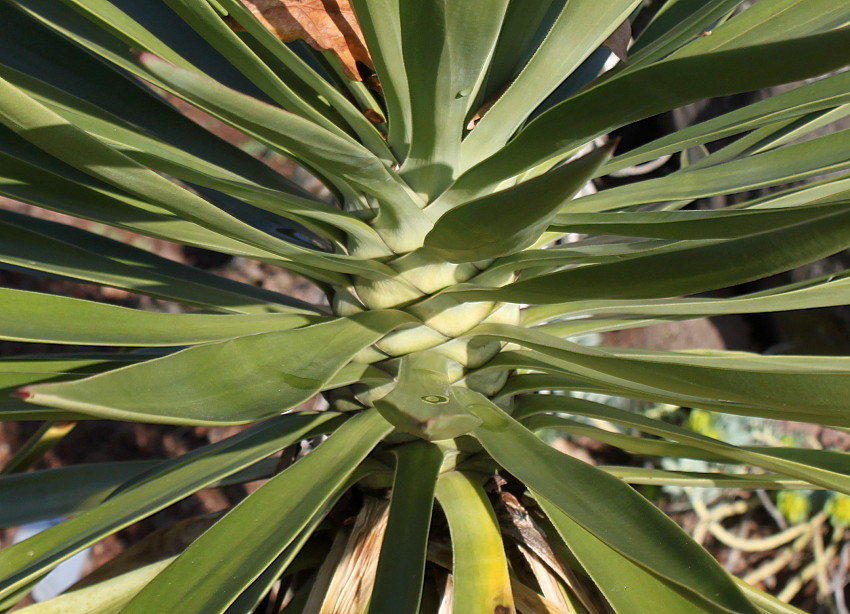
<point>453,137</point>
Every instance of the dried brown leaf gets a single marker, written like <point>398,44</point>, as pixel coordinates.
<point>619,40</point>
<point>373,116</point>
<point>325,25</point>
<point>529,601</point>
<point>517,523</point>
<point>486,107</point>
<point>346,578</point>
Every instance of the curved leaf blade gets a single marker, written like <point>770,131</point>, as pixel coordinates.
<point>828,291</point>
<point>317,89</point>
<point>401,567</point>
<point>657,88</point>
<point>479,566</point>
<point>496,225</point>
<point>47,318</point>
<point>824,468</point>
<point>822,94</point>
<point>171,481</point>
<point>57,136</point>
<point>59,249</point>
<point>631,525</point>
<point>578,30</point>
<point>111,103</point>
<point>782,19</point>
<point>447,46</point>
<point>380,21</point>
<point>69,191</point>
<point>778,166</point>
<point>812,389</point>
<point>687,268</point>
<point>275,514</point>
<point>228,382</point>
<point>298,137</point>
<point>616,576</point>
<point>108,596</point>
<point>686,225</point>
<point>42,495</point>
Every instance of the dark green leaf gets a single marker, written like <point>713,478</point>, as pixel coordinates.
<point>47,318</point>
<point>630,526</point>
<point>165,484</point>
<point>657,88</point>
<point>263,525</point>
<point>401,567</point>
<point>688,267</point>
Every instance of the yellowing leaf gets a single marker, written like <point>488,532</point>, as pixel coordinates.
<point>325,25</point>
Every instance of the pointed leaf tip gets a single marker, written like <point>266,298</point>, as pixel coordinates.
<point>23,393</point>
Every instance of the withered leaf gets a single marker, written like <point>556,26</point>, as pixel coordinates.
<point>373,116</point>
<point>486,107</point>
<point>619,40</point>
<point>325,25</point>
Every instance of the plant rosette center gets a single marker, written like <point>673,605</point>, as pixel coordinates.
<point>417,366</point>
